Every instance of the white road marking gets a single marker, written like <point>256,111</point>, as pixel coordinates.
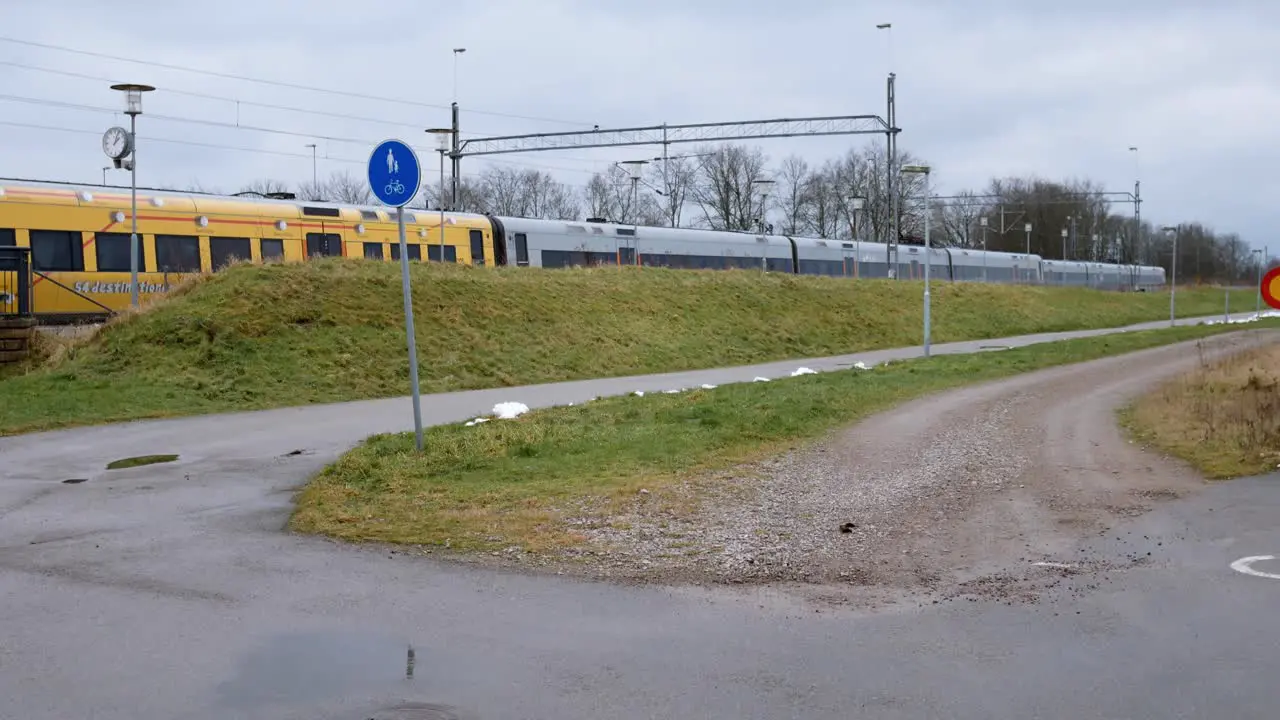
<point>1243,565</point>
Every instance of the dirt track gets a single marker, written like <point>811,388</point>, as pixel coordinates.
<point>955,494</point>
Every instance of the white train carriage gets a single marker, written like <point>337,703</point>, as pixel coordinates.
<point>560,243</point>
<point>973,265</point>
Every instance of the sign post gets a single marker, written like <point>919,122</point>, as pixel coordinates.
<point>1271,288</point>
<point>394,177</point>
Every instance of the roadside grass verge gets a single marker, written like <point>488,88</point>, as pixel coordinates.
<point>524,482</point>
<point>1223,417</point>
<point>263,336</point>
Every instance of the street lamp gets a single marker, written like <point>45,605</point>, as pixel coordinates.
<point>442,137</point>
<point>456,53</point>
<point>856,204</point>
<point>764,184</point>
<point>1064,244</point>
<point>1262,262</point>
<point>633,168</point>
<point>315,185</point>
<point>928,249</point>
<point>1027,227</point>
<point>985,222</point>
<point>1173,285</point>
<point>132,108</point>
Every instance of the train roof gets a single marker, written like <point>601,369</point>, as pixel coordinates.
<point>85,192</point>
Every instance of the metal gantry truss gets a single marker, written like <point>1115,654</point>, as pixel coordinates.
<point>667,134</point>
<point>671,134</point>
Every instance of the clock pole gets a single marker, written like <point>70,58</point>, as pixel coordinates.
<point>133,108</point>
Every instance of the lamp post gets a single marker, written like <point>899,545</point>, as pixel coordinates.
<point>985,222</point>
<point>442,137</point>
<point>856,204</point>
<point>928,249</point>
<point>315,185</point>
<point>1065,232</point>
<point>1262,265</point>
<point>456,53</point>
<point>133,108</point>
<point>1173,284</point>
<point>764,184</point>
<point>1027,227</point>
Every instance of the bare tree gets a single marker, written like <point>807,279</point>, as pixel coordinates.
<point>725,189</point>
<point>795,194</point>
<point>674,179</point>
<point>265,186</point>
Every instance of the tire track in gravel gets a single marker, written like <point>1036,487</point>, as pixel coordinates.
<point>953,495</point>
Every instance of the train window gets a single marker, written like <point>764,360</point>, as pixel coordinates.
<point>369,214</point>
<point>320,211</point>
<point>112,250</point>
<point>477,247</point>
<point>7,238</point>
<point>522,249</point>
<point>324,244</point>
<point>625,231</point>
<point>223,250</point>
<point>57,250</point>
<point>373,250</point>
<point>415,251</point>
<point>450,253</point>
<point>178,253</point>
<point>272,248</point>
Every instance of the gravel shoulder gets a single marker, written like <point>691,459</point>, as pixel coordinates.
<point>953,495</point>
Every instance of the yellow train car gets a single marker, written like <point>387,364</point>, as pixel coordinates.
<point>79,237</point>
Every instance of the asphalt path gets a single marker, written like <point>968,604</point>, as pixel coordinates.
<point>171,592</point>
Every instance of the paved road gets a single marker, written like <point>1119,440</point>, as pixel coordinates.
<point>169,592</point>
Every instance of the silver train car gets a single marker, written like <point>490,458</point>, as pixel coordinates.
<point>560,243</point>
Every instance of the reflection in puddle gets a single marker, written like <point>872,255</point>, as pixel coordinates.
<point>311,668</point>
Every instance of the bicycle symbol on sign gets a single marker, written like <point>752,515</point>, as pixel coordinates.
<point>395,187</point>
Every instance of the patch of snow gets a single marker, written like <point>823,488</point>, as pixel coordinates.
<point>672,392</point>
<point>861,366</point>
<point>708,387</point>
<point>638,393</point>
<point>803,371</point>
<point>477,421</point>
<point>761,379</point>
<point>510,410</point>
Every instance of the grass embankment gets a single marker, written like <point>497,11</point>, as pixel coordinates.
<point>331,330</point>
<point>516,482</point>
<point>1223,417</point>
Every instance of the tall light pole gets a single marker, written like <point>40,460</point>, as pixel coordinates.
<point>456,53</point>
<point>928,248</point>
<point>315,185</point>
<point>633,168</point>
<point>986,225</point>
<point>1137,207</point>
<point>1027,227</point>
<point>442,137</point>
<point>764,184</point>
<point>1065,232</point>
<point>133,108</point>
<point>1262,263</point>
<point>1173,285</point>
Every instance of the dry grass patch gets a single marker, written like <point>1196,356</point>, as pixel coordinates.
<point>1223,417</point>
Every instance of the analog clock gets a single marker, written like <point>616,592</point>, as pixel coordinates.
<point>117,143</point>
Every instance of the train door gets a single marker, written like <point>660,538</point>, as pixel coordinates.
<point>850,256</point>
<point>626,246</point>
<point>325,243</point>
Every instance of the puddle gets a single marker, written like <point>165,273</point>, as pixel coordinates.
<point>139,460</point>
<point>74,481</point>
<point>312,668</point>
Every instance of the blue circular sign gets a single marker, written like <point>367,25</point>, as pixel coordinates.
<point>394,173</point>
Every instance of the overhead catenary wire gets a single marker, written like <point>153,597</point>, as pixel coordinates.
<point>279,83</point>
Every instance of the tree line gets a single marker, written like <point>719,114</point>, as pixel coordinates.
<point>735,187</point>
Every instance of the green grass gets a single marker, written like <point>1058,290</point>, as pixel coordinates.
<point>331,330</point>
<point>511,482</point>
<point>140,460</point>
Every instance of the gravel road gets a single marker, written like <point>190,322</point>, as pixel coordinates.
<point>958,494</point>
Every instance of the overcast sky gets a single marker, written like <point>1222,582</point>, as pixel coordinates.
<point>985,87</point>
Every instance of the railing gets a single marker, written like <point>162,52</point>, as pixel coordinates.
<point>15,282</point>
